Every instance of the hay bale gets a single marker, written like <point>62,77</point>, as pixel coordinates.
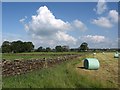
<point>116,55</point>
<point>103,53</point>
<point>94,54</point>
<point>91,63</point>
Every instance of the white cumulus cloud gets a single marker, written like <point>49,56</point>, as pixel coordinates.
<point>94,38</point>
<point>79,25</point>
<point>107,21</point>
<point>45,22</point>
<point>113,15</point>
<point>103,22</point>
<point>65,37</point>
<point>101,7</point>
<point>46,28</point>
<point>98,41</point>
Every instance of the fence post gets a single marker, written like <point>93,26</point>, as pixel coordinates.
<point>45,64</point>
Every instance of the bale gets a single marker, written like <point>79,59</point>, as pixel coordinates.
<point>103,53</point>
<point>94,54</point>
<point>91,63</point>
<point>116,55</point>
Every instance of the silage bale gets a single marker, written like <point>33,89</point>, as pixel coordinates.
<point>91,63</point>
<point>116,55</point>
<point>103,53</point>
<point>94,53</point>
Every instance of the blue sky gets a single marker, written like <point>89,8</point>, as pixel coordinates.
<point>61,23</point>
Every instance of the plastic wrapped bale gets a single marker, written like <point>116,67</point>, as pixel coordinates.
<point>91,63</point>
<point>94,54</point>
<point>116,55</point>
<point>103,53</point>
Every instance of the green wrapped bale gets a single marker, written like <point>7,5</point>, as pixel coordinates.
<point>116,55</point>
<point>91,63</point>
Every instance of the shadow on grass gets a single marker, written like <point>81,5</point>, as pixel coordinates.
<point>81,67</point>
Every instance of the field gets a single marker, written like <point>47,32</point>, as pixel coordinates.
<point>68,74</point>
<point>108,71</point>
<point>34,55</point>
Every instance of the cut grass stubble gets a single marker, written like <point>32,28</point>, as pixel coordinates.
<point>59,76</point>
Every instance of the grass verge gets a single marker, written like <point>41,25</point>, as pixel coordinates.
<point>59,76</point>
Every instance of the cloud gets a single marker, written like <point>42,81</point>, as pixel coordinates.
<point>63,36</point>
<point>113,15</point>
<point>45,27</point>
<point>79,25</point>
<point>103,22</point>
<point>98,41</point>
<point>101,7</point>
<point>93,38</point>
<point>23,19</point>
<point>107,22</point>
<point>45,23</point>
<point>13,37</point>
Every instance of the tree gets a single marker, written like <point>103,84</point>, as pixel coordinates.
<point>83,46</point>
<point>17,46</point>
<point>48,49</point>
<point>65,48</point>
<point>40,49</point>
<point>28,46</point>
<point>6,47</point>
<point>43,50</point>
<point>58,49</point>
<point>0,49</point>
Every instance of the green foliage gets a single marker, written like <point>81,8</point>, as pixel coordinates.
<point>34,55</point>
<point>17,47</point>
<point>64,75</point>
<point>0,50</point>
<point>6,47</point>
<point>83,46</point>
<point>60,76</point>
<point>48,49</point>
<point>21,56</point>
<point>65,48</point>
<point>58,49</point>
<point>41,49</point>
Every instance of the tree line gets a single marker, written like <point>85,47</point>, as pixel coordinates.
<point>56,49</point>
<point>19,46</point>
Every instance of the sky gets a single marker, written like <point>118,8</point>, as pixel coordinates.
<point>49,24</point>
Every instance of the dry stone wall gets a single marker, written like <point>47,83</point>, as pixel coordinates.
<point>17,67</point>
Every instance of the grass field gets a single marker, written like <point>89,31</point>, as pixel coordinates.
<point>35,55</point>
<point>108,71</point>
<point>69,75</point>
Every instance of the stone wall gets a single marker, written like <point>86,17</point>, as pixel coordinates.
<point>17,67</point>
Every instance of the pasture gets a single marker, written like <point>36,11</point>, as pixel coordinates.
<point>68,74</point>
<point>34,55</point>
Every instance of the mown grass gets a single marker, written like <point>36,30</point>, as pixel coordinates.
<point>108,71</point>
<point>59,76</point>
<point>34,55</point>
<point>25,57</point>
<point>49,53</point>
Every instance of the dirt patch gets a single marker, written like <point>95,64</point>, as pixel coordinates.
<point>108,71</point>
